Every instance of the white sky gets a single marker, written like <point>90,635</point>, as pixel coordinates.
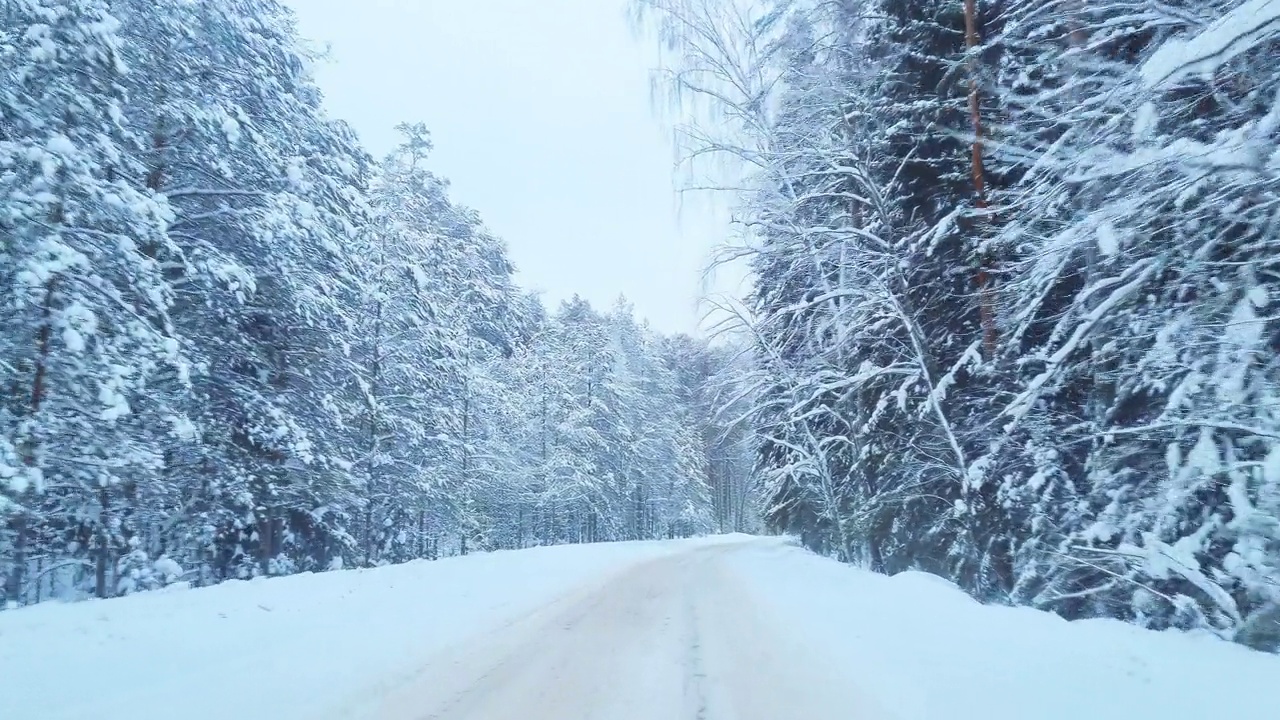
<point>540,114</point>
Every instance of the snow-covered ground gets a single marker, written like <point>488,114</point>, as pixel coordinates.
<point>720,629</point>
<point>926,650</point>
<point>281,649</point>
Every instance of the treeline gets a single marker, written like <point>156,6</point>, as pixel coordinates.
<point>232,344</point>
<point>1016,265</point>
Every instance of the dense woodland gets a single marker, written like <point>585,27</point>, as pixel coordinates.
<point>1016,267</point>
<point>233,344</point>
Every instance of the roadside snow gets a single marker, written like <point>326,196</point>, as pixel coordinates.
<point>926,650</point>
<point>280,649</point>
<point>751,629</point>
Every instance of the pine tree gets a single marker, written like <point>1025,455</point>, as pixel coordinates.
<point>86,324</point>
<point>1153,371</point>
<point>267,195</point>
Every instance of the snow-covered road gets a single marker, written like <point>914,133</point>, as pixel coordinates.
<point>731,628</point>
<point>675,638</point>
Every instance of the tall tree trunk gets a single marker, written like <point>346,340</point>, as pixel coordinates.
<point>424,544</point>
<point>368,533</point>
<point>265,542</point>
<point>985,281</point>
<point>875,554</point>
<point>20,523</point>
<point>104,546</point>
<point>375,445</point>
<point>43,340</point>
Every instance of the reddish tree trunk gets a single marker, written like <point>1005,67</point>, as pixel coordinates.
<point>985,281</point>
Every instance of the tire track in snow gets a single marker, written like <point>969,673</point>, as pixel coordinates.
<point>695,673</point>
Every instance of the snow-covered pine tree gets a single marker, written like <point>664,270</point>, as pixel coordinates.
<point>397,361</point>
<point>267,196</point>
<point>1148,338</point>
<point>86,325</point>
<point>438,308</point>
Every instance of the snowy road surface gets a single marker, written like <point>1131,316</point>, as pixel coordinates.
<point>676,638</point>
<point>732,628</point>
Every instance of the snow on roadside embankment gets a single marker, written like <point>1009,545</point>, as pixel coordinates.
<point>925,650</point>
<point>286,648</point>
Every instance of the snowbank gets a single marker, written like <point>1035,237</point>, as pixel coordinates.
<point>924,649</point>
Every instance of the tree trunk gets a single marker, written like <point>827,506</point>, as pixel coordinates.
<point>104,546</point>
<point>985,282</point>
<point>18,525</point>
<point>424,544</point>
<point>39,578</point>
<point>368,534</point>
<point>43,337</point>
<point>265,543</point>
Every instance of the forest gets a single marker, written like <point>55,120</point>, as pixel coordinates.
<point>233,344</point>
<point>1012,264</point>
<point>1015,266</point>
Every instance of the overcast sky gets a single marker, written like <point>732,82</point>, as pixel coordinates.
<point>540,114</point>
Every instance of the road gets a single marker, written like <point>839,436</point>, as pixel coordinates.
<point>676,638</point>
